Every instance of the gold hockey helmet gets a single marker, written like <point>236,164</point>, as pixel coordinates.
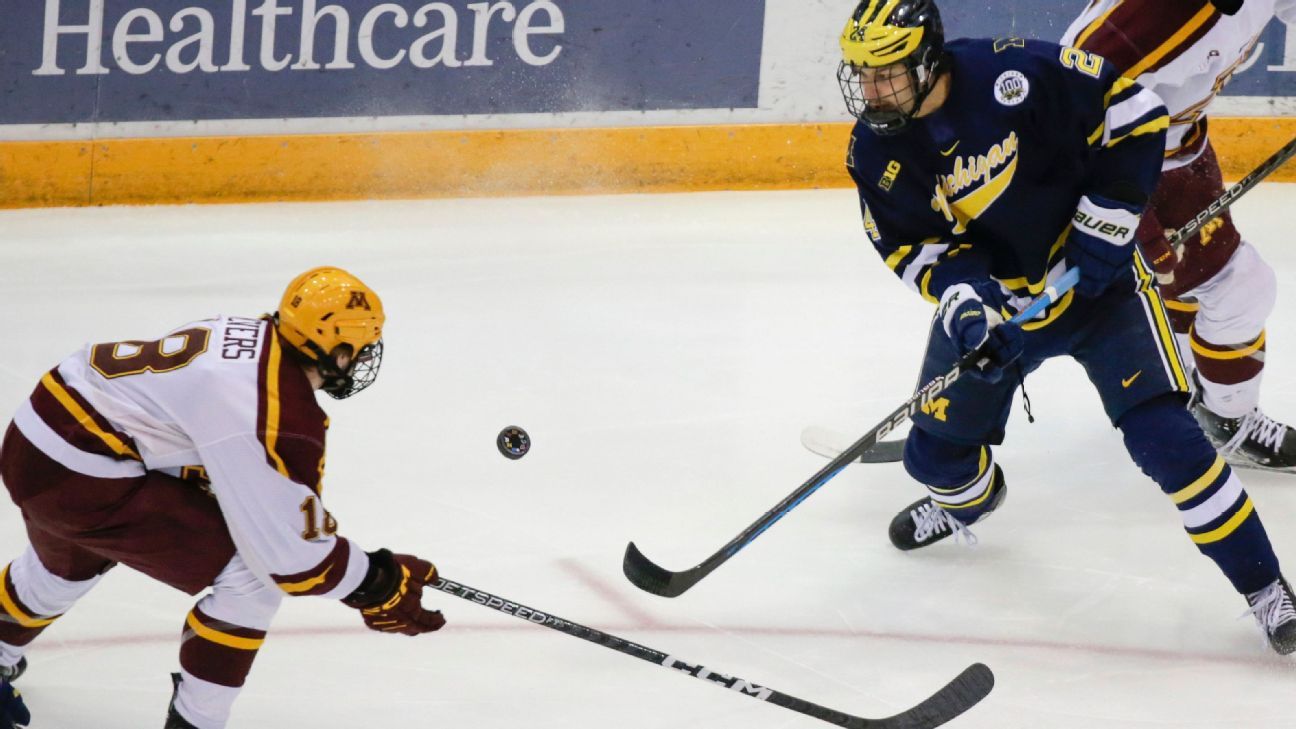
<point>325,309</point>
<point>905,33</point>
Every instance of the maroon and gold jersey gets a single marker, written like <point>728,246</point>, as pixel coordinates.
<point>1184,51</point>
<point>223,398</point>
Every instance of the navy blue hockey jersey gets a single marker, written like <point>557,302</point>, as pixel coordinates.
<point>986,186</point>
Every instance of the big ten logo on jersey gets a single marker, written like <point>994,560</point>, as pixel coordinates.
<point>936,408</point>
<point>889,176</point>
<point>242,335</point>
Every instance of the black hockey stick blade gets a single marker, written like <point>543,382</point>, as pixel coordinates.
<point>959,695</point>
<point>649,577</point>
<point>888,451</point>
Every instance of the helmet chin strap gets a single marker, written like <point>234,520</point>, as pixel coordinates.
<point>336,380</point>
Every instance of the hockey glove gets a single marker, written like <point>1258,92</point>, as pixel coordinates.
<point>972,321</point>
<point>1163,258</point>
<point>13,712</point>
<point>390,598</point>
<point>1100,242</point>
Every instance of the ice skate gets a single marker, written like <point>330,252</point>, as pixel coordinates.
<point>174,720</point>
<point>924,523</point>
<point>11,673</point>
<point>1254,440</point>
<point>1274,609</point>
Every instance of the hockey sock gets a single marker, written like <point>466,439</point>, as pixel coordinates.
<point>960,478</point>
<point>1230,374</point>
<point>31,598</point>
<point>1168,445</point>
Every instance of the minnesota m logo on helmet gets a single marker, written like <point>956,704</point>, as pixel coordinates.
<point>334,321</point>
<point>358,301</point>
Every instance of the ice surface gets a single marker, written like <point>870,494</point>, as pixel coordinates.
<point>664,353</point>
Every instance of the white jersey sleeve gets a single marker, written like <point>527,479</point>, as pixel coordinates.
<point>1184,51</point>
<point>225,395</point>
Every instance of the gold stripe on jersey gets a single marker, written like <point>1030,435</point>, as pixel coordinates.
<point>1121,84</point>
<point>84,419</point>
<point>1158,124</point>
<point>272,403</point>
<point>292,588</point>
<point>1173,42</point>
<point>222,638</point>
<point>1055,311</point>
<point>1095,25</point>
<point>1228,353</point>
<point>1201,484</point>
<point>10,606</point>
<point>899,255</point>
<point>1161,319</point>
<point>1227,527</point>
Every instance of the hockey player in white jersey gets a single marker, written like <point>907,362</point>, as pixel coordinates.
<point>198,459</point>
<point>1218,289</point>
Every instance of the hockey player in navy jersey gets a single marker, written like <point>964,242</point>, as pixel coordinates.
<point>986,169</point>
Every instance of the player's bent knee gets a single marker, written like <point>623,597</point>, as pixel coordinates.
<point>1166,442</point>
<point>935,461</point>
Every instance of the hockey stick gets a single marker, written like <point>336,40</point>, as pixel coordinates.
<point>648,576</point>
<point>830,444</point>
<point>959,695</point>
<point>1224,202</point>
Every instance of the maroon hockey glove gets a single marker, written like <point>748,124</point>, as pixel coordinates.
<point>390,598</point>
<point>1163,258</point>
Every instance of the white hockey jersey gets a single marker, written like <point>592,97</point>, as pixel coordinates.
<point>1184,51</point>
<point>222,395</point>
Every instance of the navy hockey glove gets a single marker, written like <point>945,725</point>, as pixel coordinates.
<point>13,712</point>
<point>970,315</point>
<point>1100,244</point>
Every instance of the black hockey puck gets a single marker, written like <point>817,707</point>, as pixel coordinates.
<point>513,442</point>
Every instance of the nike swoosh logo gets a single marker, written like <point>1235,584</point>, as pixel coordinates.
<point>950,151</point>
<point>1130,381</point>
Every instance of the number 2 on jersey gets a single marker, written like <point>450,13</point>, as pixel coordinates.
<point>1083,61</point>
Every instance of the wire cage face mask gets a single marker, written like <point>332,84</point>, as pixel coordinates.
<point>361,374</point>
<point>885,113</point>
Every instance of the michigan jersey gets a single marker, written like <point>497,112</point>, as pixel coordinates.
<point>987,185</point>
<point>1185,51</point>
<point>221,399</point>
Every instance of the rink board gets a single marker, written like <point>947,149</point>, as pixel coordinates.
<point>476,163</point>
<point>144,101</point>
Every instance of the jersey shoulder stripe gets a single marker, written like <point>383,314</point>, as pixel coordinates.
<point>290,423</point>
<point>1138,41</point>
<point>75,420</point>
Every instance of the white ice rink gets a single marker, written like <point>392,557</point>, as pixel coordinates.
<point>664,352</point>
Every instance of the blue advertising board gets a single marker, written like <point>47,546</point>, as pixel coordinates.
<point>68,61</point>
